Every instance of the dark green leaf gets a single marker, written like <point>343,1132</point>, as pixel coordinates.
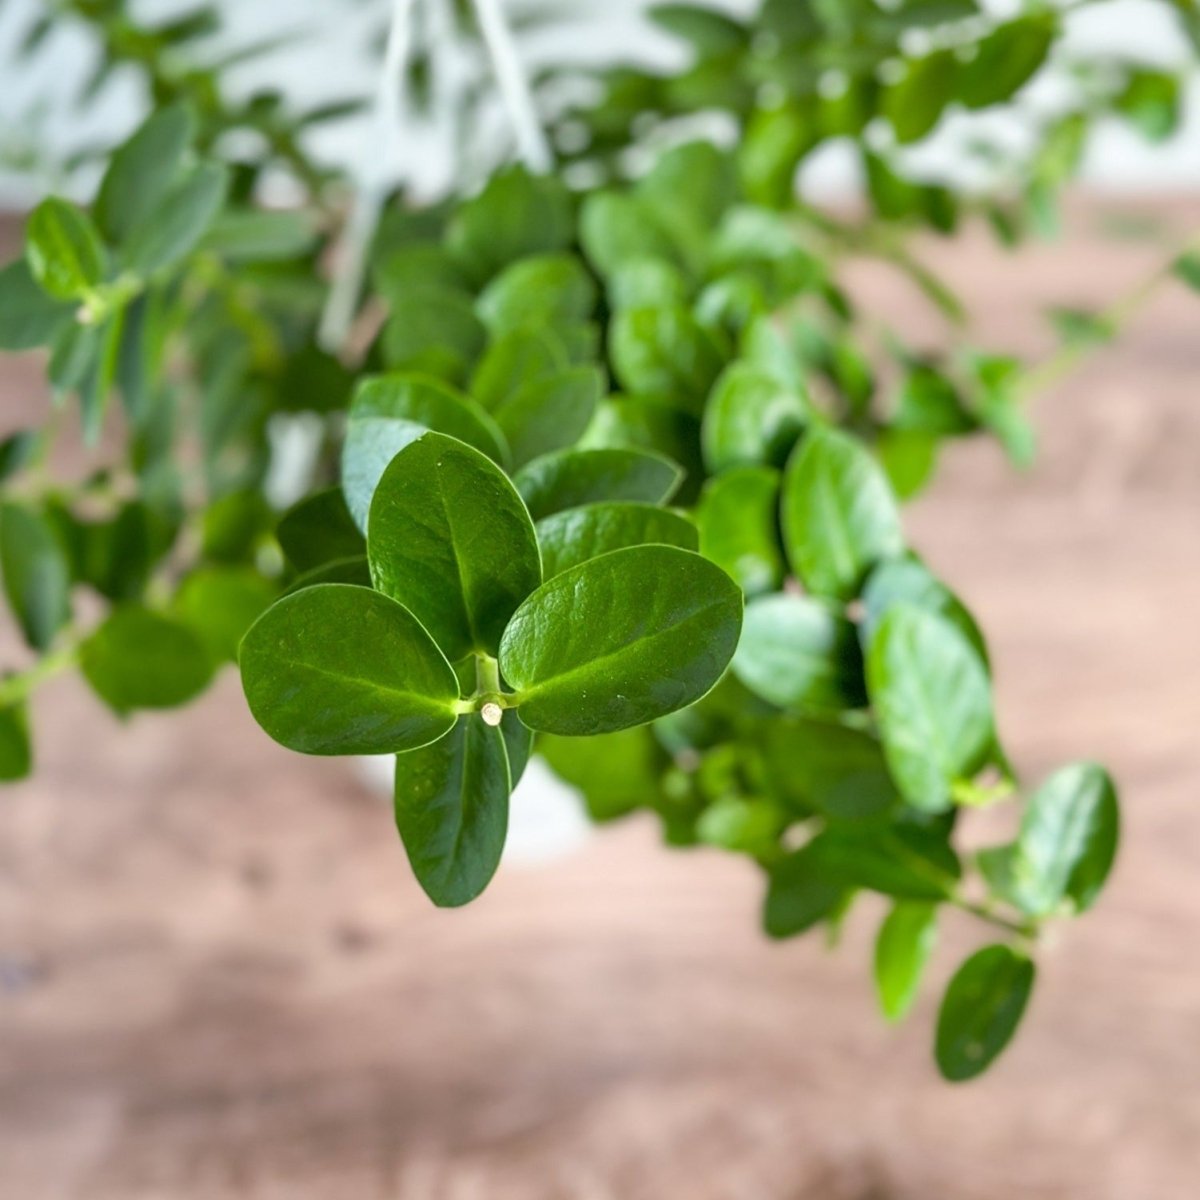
<point>319,529</point>
<point>142,659</point>
<point>933,702</point>
<point>839,514</point>
<point>902,950</point>
<point>452,810</point>
<point>751,419</point>
<point>799,895</point>
<point>981,1009</point>
<point>549,413</point>
<point>1007,59</point>
<point>578,534</point>
<point>16,751</point>
<point>177,223</point>
<point>28,316</point>
<point>620,640</point>
<point>434,330</point>
<point>569,478</point>
<point>337,669</point>
<point>915,103</point>
<point>36,574</point>
<point>17,451</point>
<point>514,360</point>
<point>450,539</point>
<point>797,653</point>
<point>708,32</point>
<point>739,527</point>
<point>392,411</point>
<point>63,250</point>
<point>665,352</point>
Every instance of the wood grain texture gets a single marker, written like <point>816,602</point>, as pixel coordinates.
<point>218,979</point>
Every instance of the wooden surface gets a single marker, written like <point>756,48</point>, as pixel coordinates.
<point>217,978</point>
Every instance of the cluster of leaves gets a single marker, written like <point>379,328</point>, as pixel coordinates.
<point>611,474</point>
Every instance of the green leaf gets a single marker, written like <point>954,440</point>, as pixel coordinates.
<point>220,603</point>
<point>880,860</point>
<point>516,359</point>
<point>709,32</point>
<point>63,249</point>
<point>17,451</point>
<point>620,640</point>
<point>450,539</point>
<point>549,413</point>
<point>28,316</point>
<point>435,331</point>
<point>665,352</point>
<point>548,288</point>
<point>141,171</point>
<point>353,570</point>
<point>799,894</point>
<point>318,530</point>
<point>915,103</point>
<point>981,1009</point>
<point>839,514</point>
<point>452,810</point>
<point>177,223</point>
<point>751,419</point>
<point>647,283</point>
<point>575,535</point>
<point>798,654</point>
<point>909,460</point>
<point>902,951</point>
<point>1186,267</point>
<point>616,229</point>
<point>739,527</point>
<point>142,659</point>
<point>1151,101</point>
<point>639,423</point>
<point>615,772</point>
<point>1007,59</point>
<point>516,215</point>
<point>16,751</point>
<point>261,236</point>
<point>337,669</point>
<point>36,574</point>
<point>830,768</point>
<point>569,478</point>
<point>775,141</point>
<point>1068,840</point>
<point>390,412</point>
<point>933,703</point>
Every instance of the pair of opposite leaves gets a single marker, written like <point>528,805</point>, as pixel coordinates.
<point>633,632</point>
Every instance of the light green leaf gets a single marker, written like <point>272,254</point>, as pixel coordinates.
<point>549,413</point>
<point>647,283</point>
<point>839,514</point>
<point>665,352</point>
<point>435,331</point>
<point>615,772</point>
<point>391,411</point>
<point>451,804</point>
<point>578,534</point>
<point>738,516</point>
<point>450,539</point>
<point>751,420</point>
<point>799,654</point>
<point>902,951</point>
<point>981,1010</point>
<point>1007,59</point>
<point>569,478</point>
<point>141,171</point>
<point>142,659</point>
<point>337,669</point>
<point>220,603</point>
<point>176,224</point>
<point>547,288</point>
<point>915,103</point>
<point>620,640</point>
<point>515,359</point>
<point>933,702</point>
<point>63,249</point>
<point>36,574</point>
<point>616,229</point>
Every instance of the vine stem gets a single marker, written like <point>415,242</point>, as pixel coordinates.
<point>338,315</point>
<point>532,145</point>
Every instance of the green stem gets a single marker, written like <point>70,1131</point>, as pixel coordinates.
<point>985,912</point>
<point>17,688</point>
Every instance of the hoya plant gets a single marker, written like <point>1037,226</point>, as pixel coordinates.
<point>602,461</point>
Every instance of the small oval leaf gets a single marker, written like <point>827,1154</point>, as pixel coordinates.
<point>570,478</point>
<point>571,537</point>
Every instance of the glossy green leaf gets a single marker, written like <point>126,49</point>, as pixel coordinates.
<point>665,352</point>
<point>751,419</point>
<point>981,1010</point>
<point>451,805</point>
<point>738,517</point>
<point>220,603</point>
<point>569,478</point>
<point>839,514</point>
<point>451,540</point>
<point>643,424</point>
<point>336,669</point>
<point>390,412</point>
<point>1068,840</point>
<point>143,659</point>
<point>549,288</point>
<point>141,171</point>
<point>577,534</point>
<point>549,413</point>
<point>903,948</point>
<point>933,702</point>
<point>620,640</point>
<point>319,529</point>
<point>36,574</point>
<point>28,316</point>
<point>829,768</point>
<point>799,654</point>
<point>179,221</point>
<point>16,750</point>
<point>63,249</point>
